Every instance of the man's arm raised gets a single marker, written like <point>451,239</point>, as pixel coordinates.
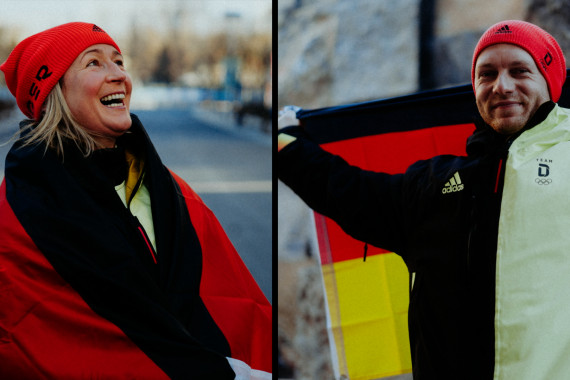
<point>287,118</point>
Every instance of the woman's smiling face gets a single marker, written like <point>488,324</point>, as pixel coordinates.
<point>97,89</point>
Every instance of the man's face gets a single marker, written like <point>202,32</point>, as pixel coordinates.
<point>509,87</point>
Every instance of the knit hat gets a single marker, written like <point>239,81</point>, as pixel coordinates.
<point>541,46</point>
<point>37,63</point>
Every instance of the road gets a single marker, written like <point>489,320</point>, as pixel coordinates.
<point>230,169</point>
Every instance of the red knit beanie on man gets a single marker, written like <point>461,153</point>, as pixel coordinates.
<point>541,46</point>
<point>37,63</point>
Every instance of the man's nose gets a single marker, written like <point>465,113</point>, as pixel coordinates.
<point>504,83</point>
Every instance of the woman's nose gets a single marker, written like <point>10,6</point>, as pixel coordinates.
<point>115,73</point>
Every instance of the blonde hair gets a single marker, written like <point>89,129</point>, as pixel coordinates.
<point>57,125</point>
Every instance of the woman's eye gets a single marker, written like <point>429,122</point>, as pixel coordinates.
<point>93,62</point>
<point>119,63</point>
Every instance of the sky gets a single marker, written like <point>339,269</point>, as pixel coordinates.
<point>115,16</point>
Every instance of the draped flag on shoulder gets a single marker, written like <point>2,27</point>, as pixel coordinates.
<point>367,301</point>
<point>85,295</point>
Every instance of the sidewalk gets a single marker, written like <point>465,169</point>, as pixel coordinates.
<point>225,120</point>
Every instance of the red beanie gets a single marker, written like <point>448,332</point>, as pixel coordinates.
<point>542,47</point>
<point>37,63</point>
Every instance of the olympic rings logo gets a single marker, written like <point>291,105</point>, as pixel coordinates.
<point>543,181</point>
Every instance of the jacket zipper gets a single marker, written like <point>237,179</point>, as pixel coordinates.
<point>139,225</point>
<point>502,162</point>
<point>498,175</point>
<point>146,240</point>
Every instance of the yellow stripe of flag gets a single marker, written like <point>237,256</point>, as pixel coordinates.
<point>368,305</point>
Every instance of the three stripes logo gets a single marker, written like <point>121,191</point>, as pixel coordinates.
<point>453,185</point>
<point>504,30</point>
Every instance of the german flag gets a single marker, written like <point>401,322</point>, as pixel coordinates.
<point>83,295</point>
<point>368,301</point>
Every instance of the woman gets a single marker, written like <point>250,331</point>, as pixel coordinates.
<point>110,265</point>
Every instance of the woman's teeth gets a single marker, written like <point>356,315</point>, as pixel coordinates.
<point>114,100</point>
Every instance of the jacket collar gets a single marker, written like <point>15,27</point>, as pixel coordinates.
<point>485,140</point>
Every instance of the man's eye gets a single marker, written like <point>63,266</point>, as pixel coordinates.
<point>93,62</point>
<point>120,62</point>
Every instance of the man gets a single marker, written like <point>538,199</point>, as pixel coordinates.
<point>489,259</point>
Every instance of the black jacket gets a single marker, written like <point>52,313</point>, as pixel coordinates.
<point>446,233</point>
<point>97,302</point>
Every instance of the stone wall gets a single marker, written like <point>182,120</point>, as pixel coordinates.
<point>458,26</point>
<point>338,51</point>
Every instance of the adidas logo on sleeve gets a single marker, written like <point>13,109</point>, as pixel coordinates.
<point>453,185</point>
